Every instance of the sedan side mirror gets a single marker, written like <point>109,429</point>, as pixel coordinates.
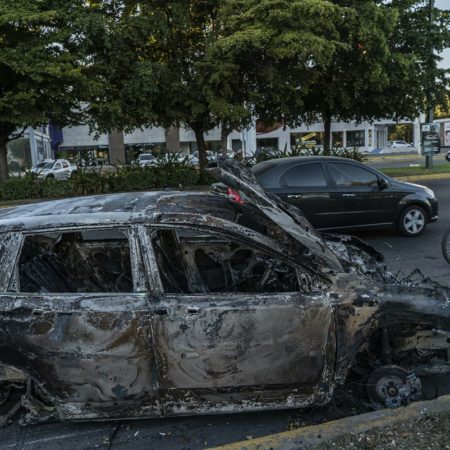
<point>382,184</point>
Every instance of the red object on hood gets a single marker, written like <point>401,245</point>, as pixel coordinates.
<point>234,196</point>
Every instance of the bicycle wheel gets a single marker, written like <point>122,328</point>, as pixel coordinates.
<point>446,245</point>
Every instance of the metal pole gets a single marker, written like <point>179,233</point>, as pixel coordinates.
<point>429,157</point>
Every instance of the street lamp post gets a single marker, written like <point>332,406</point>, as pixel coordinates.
<point>430,115</point>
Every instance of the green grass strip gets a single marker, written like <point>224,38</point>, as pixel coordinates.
<point>411,171</point>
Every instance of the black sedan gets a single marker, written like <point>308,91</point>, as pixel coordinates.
<point>338,193</point>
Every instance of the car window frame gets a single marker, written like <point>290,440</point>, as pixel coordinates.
<point>326,175</point>
<point>140,284</point>
<point>353,188</point>
<point>156,283</point>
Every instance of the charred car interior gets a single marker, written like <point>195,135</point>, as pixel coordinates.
<point>94,261</point>
<point>176,303</point>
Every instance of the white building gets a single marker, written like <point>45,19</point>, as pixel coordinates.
<point>26,151</point>
<point>366,136</point>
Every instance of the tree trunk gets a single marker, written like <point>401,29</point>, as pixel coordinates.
<point>201,146</point>
<point>327,134</point>
<point>225,132</point>
<point>4,173</point>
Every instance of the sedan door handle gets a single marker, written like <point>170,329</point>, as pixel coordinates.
<point>295,196</point>
<point>348,195</point>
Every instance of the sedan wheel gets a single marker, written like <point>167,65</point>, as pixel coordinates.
<point>412,221</point>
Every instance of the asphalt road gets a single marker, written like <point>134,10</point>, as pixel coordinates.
<point>402,254</point>
<point>424,252</point>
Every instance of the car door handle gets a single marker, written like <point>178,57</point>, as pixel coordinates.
<point>348,195</point>
<point>295,196</point>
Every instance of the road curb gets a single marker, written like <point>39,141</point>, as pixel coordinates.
<point>314,435</point>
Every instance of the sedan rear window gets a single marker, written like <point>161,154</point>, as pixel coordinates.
<point>305,175</point>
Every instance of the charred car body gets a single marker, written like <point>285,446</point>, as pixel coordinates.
<point>164,304</point>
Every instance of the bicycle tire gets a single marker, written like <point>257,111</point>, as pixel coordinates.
<point>446,245</point>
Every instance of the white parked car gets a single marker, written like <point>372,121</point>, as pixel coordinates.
<point>146,159</point>
<point>59,169</point>
<point>398,144</point>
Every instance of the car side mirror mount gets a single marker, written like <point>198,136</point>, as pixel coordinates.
<point>382,184</point>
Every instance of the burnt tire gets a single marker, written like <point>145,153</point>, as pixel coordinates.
<point>390,386</point>
<point>412,221</point>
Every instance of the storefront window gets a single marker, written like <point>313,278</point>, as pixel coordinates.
<point>337,139</point>
<point>19,155</point>
<point>266,143</point>
<point>308,139</point>
<point>356,138</point>
<point>236,145</point>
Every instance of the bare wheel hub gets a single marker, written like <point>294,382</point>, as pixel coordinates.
<point>393,386</point>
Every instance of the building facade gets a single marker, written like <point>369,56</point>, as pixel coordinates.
<point>78,142</point>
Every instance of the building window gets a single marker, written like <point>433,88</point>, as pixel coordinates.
<point>356,138</point>
<point>337,139</point>
<point>267,143</point>
<point>236,145</point>
<point>308,139</point>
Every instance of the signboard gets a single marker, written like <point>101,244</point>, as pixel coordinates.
<point>431,140</point>
<point>447,134</point>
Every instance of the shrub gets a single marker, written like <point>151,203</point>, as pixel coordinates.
<point>167,173</point>
<point>19,188</point>
<point>301,150</point>
<point>52,188</point>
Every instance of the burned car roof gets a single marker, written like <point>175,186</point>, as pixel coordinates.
<point>112,208</point>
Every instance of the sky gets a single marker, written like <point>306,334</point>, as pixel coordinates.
<point>445,63</point>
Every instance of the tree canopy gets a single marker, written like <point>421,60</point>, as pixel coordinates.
<point>42,68</point>
<point>125,64</point>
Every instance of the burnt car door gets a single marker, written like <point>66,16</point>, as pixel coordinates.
<point>232,328</point>
<point>75,320</point>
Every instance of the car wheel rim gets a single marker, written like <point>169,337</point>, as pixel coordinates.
<point>414,221</point>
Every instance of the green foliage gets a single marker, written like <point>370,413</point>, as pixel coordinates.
<point>169,173</point>
<point>298,150</point>
<point>83,182</point>
<point>42,66</point>
<point>19,188</point>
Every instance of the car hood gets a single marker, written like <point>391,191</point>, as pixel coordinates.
<point>406,184</point>
<point>241,179</point>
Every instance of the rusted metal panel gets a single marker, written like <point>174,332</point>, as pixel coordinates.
<point>225,341</point>
<point>87,352</point>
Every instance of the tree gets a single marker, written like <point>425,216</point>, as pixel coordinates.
<point>278,49</point>
<point>205,63</point>
<point>387,68</point>
<point>41,72</point>
<point>421,34</point>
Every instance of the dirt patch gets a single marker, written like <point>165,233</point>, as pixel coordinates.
<point>425,432</point>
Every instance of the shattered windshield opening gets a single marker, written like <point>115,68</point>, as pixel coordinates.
<point>89,261</point>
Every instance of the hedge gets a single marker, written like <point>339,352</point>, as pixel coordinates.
<point>124,179</point>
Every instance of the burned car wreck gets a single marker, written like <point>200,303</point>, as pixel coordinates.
<point>169,303</point>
